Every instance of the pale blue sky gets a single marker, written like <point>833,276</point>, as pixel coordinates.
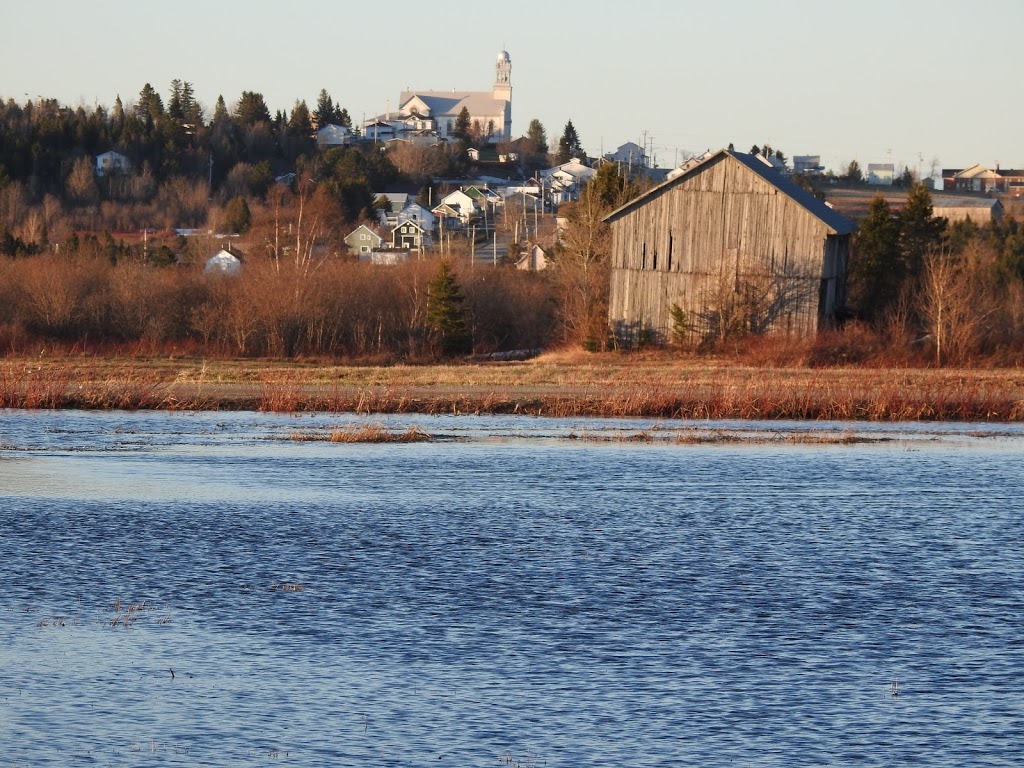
<point>871,80</point>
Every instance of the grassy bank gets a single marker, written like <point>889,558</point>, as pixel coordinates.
<point>553,385</point>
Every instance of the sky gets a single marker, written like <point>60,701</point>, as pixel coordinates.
<point>915,83</point>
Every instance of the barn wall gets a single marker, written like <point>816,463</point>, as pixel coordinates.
<point>723,230</point>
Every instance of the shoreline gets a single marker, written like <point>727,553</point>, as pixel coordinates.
<point>570,384</point>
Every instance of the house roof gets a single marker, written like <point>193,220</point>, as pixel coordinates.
<point>828,216</point>
<point>944,201</point>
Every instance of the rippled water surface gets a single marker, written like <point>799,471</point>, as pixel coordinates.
<point>201,589</point>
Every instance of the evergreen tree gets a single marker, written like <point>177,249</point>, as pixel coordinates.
<point>538,137</point>
<point>462,125</point>
<point>445,313</point>
<point>251,109</point>
<point>569,145</point>
<point>920,231</point>
<point>853,173</point>
<point>344,119</point>
<point>300,123</point>
<point>876,269</point>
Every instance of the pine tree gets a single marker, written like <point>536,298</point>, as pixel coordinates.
<point>920,231</point>
<point>445,313</point>
<point>569,145</point>
<point>876,269</point>
<point>462,125</point>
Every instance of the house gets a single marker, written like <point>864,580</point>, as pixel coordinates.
<point>409,235</point>
<point>978,178</point>
<point>980,210</point>
<point>413,211</point>
<point>630,154</point>
<point>225,262</point>
<point>808,165</point>
<point>728,241</point>
<point>881,174</point>
<point>363,241</point>
<point>490,112</point>
<point>534,260</point>
<point>461,202</point>
<point>112,162</point>
<point>332,135</point>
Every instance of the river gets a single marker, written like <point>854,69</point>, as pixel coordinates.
<point>204,589</point>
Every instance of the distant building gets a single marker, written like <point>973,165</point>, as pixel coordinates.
<point>437,112</point>
<point>980,210</point>
<point>333,136</point>
<point>224,262</point>
<point>881,174</point>
<point>363,241</point>
<point>808,165</point>
<point>629,154</point>
<point>978,178</point>
<point>112,162</point>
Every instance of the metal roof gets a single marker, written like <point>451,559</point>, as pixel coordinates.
<point>828,216</point>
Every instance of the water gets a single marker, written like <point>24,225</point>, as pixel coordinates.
<point>507,594</point>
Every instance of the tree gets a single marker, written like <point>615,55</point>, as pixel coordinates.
<point>569,145</point>
<point>251,109</point>
<point>920,231</point>
<point>326,113</point>
<point>853,174</point>
<point>611,186</point>
<point>537,137</point>
<point>237,217</point>
<point>876,269</point>
<point>445,314</point>
<point>580,271</point>
<point>150,106</point>
<point>463,125</point>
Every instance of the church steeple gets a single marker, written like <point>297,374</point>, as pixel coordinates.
<point>503,77</point>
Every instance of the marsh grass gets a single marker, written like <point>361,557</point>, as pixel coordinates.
<point>365,433</point>
<point>568,386</point>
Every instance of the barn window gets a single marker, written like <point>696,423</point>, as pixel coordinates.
<point>654,261</point>
<point>643,256</point>
<point>669,251</point>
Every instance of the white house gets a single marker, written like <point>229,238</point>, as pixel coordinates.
<point>881,174</point>
<point>461,202</point>
<point>224,262</point>
<point>413,211</point>
<point>332,135</point>
<point>112,162</point>
<point>629,154</point>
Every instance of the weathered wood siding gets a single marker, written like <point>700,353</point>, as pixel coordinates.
<point>722,226</point>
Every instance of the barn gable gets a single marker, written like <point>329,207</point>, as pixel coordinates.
<point>728,241</point>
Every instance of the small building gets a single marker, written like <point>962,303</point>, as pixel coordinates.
<point>980,210</point>
<point>112,162</point>
<point>729,240</point>
<point>332,135</point>
<point>363,241</point>
<point>881,174</point>
<point>226,261</point>
<point>630,154</point>
<point>808,165</point>
<point>534,259</point>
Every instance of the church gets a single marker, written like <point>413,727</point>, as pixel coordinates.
<point>490,112</point>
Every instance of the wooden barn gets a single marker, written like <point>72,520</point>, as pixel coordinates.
<point>728,246</point>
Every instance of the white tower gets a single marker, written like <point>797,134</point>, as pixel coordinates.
<point>503,78</point>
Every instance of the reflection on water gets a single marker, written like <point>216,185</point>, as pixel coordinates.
<point>200,589</point>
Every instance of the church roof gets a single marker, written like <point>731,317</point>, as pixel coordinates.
<point>452,102</point>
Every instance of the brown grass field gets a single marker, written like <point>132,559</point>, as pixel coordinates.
<point>554,384</point>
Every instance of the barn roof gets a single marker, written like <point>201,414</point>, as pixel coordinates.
<point>828,216</point>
